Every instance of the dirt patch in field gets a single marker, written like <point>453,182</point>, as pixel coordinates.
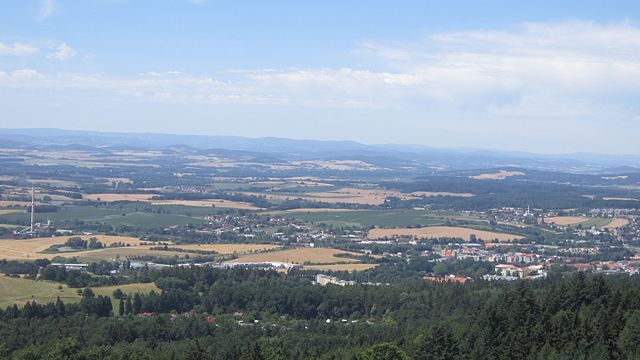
<point>435,232</point>
<point>500,175</point>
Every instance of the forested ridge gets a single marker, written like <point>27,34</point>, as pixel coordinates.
<point>242,314</point>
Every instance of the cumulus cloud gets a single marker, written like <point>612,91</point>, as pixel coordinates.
<point>62,52</point>
<point>17,49</point>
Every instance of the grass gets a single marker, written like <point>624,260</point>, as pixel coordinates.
<point>597,222</point>
<point>19,291</point>
<point>382,218</point>
<point>163,215</point>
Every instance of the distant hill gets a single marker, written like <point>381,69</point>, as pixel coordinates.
<point>273,149</point>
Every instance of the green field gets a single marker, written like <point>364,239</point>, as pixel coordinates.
<point>382,218</point>
<point>598,222</point>
<point>113,215</point>
<point>19,291</point>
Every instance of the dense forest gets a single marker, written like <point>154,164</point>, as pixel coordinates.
<point>251,314</point>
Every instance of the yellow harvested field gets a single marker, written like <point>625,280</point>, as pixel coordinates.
<point>118,197</point>
<point>209,203</point>
<point>439,193</point>
<point>616,223</point>
<point>341,267</point>
<point>228,248</point>
<point>566,220</point>
<point>300,256</point>
<point>500,175</point>
<point>434,232</point>
<point>29,249</point>
<point>619,199</point>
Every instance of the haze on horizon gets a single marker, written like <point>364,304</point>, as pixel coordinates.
<point>536,76</point>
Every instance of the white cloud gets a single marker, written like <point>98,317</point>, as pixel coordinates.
<point>569,69</point>
<point>17,49</point>
<point>46,9</point>
<point>62,52</point>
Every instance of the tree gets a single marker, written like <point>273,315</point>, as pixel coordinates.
<point>629,340</point>
<point>121,307</point>
<point>88,293</point>
<point>137,304</point>
<point>118,294</point>
<point>128,307</point>
<point>383,351</point>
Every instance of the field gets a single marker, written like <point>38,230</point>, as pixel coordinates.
<point>306,210</point>
<point>30,249</point>
<point>19,291</point>
<point>616,223</point>
<point>431,232</point>
<point>382,218</point>
<point>566,220</point>
<point>10,211</point>
<point>124,214</point>
<point>111,254</point>
<point>118,197</point>
<point>225,249</point>
<point>341,267</point>
<point>440,193</point>
<point>586,222</point>
<point>500,175</point>
<point>209,203</point>
<point>301,256</point>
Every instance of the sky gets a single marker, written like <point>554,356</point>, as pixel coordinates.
<point>539,76</point>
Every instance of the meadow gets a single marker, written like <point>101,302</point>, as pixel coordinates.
<point>20,290</point>
<point>382,218</point>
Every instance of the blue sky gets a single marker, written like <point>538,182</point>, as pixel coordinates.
<point>542,76</point>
